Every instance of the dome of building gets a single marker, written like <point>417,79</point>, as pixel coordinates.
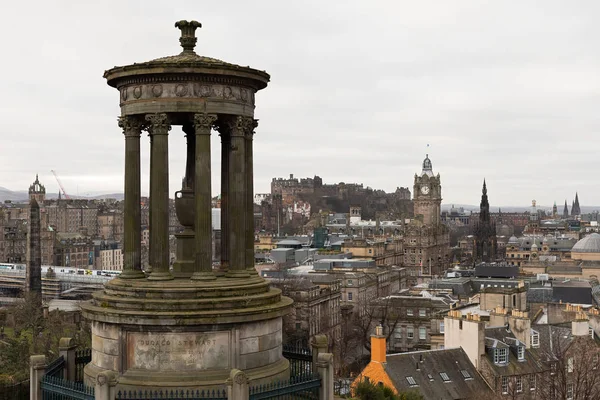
<point>513,240</point>
<point>589,244</point>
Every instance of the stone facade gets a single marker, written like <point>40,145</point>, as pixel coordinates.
<point>73,216</point>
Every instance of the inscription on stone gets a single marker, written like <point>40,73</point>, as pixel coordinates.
<point>178,351</point>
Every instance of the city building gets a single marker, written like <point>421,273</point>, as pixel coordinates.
<point>426,239</point>
<point>417,322</point>
<point>73,250</point>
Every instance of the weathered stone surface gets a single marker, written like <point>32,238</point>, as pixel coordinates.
<point>104,330</point>
<point>178,352</point>
<point>260,359</point>
<point>260,328</point>
<point>106,346</point>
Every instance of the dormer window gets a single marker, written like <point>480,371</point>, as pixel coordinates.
<point>501,356</point>
<point>521,353</point>
<point>535,339</point>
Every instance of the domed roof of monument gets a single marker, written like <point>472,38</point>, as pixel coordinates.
<point>186,62</point>
<point>589,244</point>
<point>513,240</point>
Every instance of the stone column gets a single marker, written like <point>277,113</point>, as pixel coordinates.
<point>106,385</point>
<point>132,235</point>
<point>325,371</point>
<point>159,128</point>
<point>237,385</point>
<point>66,348</point>
<point>202,192</point>
<point>225,145</point>
<point>37,370</point>
<point>190,138</point>
<point>248,160</point>
<point>237,199</point>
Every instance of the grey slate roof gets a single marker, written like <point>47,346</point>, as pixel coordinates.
<point>425,368</point>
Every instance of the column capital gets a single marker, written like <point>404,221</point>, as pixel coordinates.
<point>250,125</point>
<point>235,125</point>
<point>131,125</point>
<point>159,124</point>
<point>204,122</point>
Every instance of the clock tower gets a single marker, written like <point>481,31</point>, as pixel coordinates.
<point>427,197</point>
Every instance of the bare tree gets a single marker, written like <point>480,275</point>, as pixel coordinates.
<point>376,312</point>
<point>572,370</point>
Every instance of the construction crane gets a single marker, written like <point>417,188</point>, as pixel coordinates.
<point>60,184</point>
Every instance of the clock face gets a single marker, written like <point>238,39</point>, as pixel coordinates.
<point>425,189</point>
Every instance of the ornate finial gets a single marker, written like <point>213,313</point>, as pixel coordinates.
<point>188,34</point>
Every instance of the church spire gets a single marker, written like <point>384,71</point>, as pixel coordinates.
<point>576,210</point>
<point>485,231</point>
<point>484,206</point>
<point>566,210</point>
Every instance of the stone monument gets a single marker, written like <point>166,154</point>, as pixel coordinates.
<point>33,273</point>
<point>188,326</point>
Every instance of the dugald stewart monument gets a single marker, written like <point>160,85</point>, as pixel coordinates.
<point>190,325</point>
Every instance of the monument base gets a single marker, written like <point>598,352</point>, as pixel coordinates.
<point>186,334</point>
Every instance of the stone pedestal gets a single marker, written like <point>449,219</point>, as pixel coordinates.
<point>183,267</point>
<point>186,334</point>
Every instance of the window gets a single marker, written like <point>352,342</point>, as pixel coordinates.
<point>349,296</point>
<point>441,327</point>
<point>444,377</point>
<point>466,374</point>
<point>591,332</point>
<point>521,352</point>
<point>409,312</point>
<point>422,312</point>
<point>519,383</point>
<point>422,333</point>
<point>532,382</point>
<point>570,365</point>
<point>349,282</point>
<point>535,339</point>
<point>430,377</point>
<point>501,356</point>
<point>409,332</point>
<point>411,381</point>
<point>569,391</point>
<point>398,332</point>
<point>504,384</point>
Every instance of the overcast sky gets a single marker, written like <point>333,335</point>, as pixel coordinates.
<point>506,90</point>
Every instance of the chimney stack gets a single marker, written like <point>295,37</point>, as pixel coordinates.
<point>378,345</point>
<point>580,326</point>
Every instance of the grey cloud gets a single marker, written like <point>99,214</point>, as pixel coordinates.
<point>507,90</point>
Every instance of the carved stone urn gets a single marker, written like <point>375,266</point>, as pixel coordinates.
<point>184,207</point>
